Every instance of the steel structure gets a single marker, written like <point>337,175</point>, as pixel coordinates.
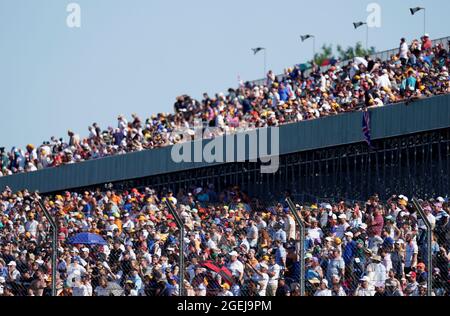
<point>415,165</point>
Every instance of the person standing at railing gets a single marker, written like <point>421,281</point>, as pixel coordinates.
<point>403,51</point>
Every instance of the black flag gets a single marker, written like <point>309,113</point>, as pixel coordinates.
<point>358,24</point>
<point>257,50</point>
<point>305,37</point>
<point>414,10</point>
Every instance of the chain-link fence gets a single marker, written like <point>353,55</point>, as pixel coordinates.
<point>371,248</point>
<point>128,243</point>
<point>242,249</point>
<point>26,249</point>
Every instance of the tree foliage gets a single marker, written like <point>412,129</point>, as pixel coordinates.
<point>350,52</point>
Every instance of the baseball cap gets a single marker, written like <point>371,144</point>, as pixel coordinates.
<point>411,274</point>
<point>234,253</point>
<point>421,265</point>
<point>365,279</point>
<point>314,281</point>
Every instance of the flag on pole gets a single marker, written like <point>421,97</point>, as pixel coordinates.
<point>415,10</point>
<point>257,50</point>
<point>305,37</point>
<point>366,128</point>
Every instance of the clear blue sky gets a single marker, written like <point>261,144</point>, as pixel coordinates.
<point>138,55</point>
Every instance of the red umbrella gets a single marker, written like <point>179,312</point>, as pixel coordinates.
<point>226,275</point>
<point>211,266</point>
<point>223,271</point>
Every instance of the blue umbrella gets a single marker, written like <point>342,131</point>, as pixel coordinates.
<point>87,239</point>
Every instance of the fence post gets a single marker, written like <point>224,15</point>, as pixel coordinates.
<point>422,215</point>
<point>181,250</point>
<point>302,244</point>
<point>52,222</point>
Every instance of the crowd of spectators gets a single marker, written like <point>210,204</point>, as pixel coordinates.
<point>418,70</point>
<point>235,245</point>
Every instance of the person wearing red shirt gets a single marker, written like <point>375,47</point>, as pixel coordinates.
<point>376,223</point>
<point>426,42</point>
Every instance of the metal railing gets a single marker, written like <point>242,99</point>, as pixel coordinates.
<point>383,56</point>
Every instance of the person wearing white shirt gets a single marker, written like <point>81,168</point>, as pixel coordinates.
<point>323,289</point>
<point>236,267</point>
<point>75,268</point>
<point>127,223</point>
<point>431,218</point>
<point>111,226</point>
<point>289,226</point>
<point>342,227</point>
<point>387,262</point>
<point>31,226</point>
<point>82,287</point>
<point>384,81</point>
<point>403,52</point>
<point>252,234</point>
<point>364,288</point>
<point>274,275</point>
<point>376,271</point>
<point>209,242</point>
<point>260,277</point>
<point>13,274</point>
<point>244,243</point>
<point>315,232</point>
<point>260,223</point>
<point>411,252</point>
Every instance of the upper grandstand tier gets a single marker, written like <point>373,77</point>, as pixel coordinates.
<point>296,96</point>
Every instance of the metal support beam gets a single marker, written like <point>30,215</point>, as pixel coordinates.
<point>422,214</point>
<point>54,227</point>
<point>300,223</point>
<point>180,225</point>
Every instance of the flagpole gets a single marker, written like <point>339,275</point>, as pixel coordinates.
<point>367,37</point>
<point>265,63</point>
<point>314,47</point>
<point>424,21</point>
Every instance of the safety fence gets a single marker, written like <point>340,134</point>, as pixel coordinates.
<point>248,247</point>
